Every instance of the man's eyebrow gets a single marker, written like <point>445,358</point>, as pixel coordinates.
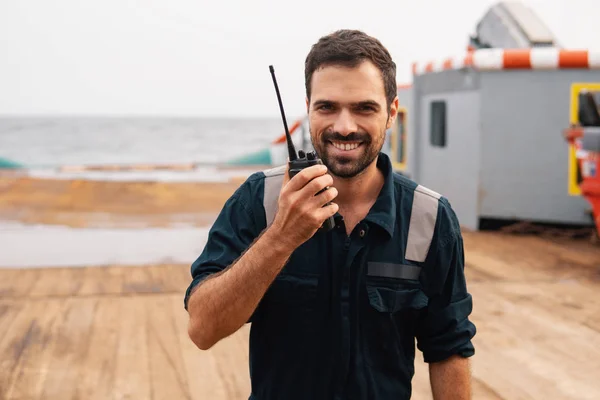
<point>324,102</point>
<point>371,103</point>
<point>363,103</point>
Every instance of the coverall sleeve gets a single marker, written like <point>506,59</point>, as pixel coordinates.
<point>232,233</point>
<point>445,328</point>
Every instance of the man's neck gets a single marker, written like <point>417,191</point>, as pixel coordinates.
<point>363,189</point>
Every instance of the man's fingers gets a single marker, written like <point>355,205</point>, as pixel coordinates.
<point>306,175</point>
<point>325,197</point>
<point>328,211</point>
<point>316,185</point>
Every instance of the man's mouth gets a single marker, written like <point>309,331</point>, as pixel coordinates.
<point>345,146</point>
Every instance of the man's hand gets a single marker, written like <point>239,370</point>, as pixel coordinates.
<point>451,379</point>
<point>301,211</point>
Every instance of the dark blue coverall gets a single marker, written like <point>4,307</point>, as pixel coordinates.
<point>341,319</point>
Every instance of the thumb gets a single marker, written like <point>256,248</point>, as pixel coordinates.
<point>286,175</point>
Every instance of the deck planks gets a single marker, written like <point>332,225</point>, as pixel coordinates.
<point>121,332</point>
<point>132,364</point>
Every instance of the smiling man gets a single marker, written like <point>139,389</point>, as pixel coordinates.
<point>335,314</point>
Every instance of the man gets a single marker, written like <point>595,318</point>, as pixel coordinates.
<point>335,313</point>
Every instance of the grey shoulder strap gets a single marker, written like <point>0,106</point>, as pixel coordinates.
<point>273,182</point>
<point>422,223</point>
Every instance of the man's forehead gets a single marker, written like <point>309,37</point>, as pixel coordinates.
<point>362,81</point>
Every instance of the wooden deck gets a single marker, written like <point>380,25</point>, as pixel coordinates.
<point>120,332</point>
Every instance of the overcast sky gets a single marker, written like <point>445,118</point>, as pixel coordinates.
<point>210,58</point>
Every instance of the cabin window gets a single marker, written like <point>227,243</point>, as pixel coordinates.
<point>438,124</point>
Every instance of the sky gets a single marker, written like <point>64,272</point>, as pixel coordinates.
<point>211,58</point>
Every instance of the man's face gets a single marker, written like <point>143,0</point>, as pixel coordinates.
<point>348,117</point>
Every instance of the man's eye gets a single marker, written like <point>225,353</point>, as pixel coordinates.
<point>325,107</point>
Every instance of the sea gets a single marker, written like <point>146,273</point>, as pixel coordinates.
<point>44,144</point>
<point>49,142</point>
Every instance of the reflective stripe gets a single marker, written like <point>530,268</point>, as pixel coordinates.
<point>390,270</point>
<point>422,223</point>
<point>273,182</point>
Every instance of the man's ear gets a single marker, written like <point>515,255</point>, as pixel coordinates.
<point>393,113</point>
<point>307,104</point>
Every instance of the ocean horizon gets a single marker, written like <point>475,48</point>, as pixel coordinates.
<point>42,142</point>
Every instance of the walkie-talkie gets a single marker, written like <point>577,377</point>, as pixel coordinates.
<point>301,160</point>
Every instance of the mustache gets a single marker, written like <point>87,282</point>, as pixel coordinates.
<point>352,137</point>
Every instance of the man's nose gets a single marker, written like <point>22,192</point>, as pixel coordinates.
<point>344,123</point>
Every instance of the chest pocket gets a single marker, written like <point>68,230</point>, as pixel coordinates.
<point>294,290</point>
<point>395,301</point>
<point>291,313</point>
<point>392,288</point>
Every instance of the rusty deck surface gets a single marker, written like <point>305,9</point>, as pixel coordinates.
<point>120,332</point>
<point>92,204</point>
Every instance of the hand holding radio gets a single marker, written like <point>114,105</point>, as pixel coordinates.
<point>304,205</point>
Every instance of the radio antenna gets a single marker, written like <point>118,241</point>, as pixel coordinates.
<point>291,149</point>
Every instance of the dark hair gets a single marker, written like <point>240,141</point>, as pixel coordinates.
<point>349,48</point>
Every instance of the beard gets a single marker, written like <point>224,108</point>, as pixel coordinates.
<point>350,166</point>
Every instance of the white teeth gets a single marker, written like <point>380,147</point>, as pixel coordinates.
<point>345,146</point>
